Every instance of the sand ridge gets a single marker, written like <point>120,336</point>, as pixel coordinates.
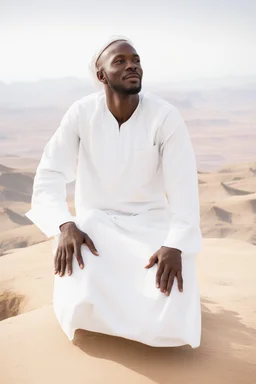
<point>227,203</point>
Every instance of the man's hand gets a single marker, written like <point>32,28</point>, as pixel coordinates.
<point>71,240</point>
<point>169,266</point>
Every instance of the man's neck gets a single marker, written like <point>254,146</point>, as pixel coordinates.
<point>122,106</point>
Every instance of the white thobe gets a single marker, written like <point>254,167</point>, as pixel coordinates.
<point>136,190</point>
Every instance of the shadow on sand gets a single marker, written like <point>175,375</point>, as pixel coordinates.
<point>223,357</point>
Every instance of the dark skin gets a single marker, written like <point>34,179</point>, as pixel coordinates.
<point>70,243</point>
<point>120,71</point>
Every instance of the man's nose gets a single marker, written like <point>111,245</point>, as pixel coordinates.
<point>131,65</point>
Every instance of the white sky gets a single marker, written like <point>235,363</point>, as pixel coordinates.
<point>177,40</point>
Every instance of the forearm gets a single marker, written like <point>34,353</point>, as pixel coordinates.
<point>57,167</point>
<point>181,184</point>
<point>49,209</point>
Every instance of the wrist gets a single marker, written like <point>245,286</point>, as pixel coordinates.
<point>67,225</point>
<point>171,248</point>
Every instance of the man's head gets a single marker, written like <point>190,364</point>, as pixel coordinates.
<point>118,68</point>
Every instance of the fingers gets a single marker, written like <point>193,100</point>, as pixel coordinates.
<point>153,259</point>
<point>64,257</point>
<point>158,275</point>
<point>62,263</point>
<point>69,258</point>
<point>180,281</point>
<point>57,262</point>
<point>62,260</point>
<point>170,283</point>
<point>91,245</point>
<point>164,279</point>
<point>78,255</point>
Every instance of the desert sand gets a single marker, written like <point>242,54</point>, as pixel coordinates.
<point>35,350</point>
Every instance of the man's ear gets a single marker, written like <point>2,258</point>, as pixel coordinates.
<point>101,77</point>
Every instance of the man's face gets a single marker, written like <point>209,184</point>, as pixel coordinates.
<point>120,69</point>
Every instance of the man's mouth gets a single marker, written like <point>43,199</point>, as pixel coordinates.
<point>132,76</point>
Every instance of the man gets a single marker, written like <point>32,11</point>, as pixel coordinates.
<point>126,264</point>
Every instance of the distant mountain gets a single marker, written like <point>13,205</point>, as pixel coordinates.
<point>62,92</point>
<point>44,93</point>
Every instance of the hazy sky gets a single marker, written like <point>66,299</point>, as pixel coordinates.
<point>177,40</point>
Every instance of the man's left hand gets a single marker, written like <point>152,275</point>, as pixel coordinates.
<point>169,266</point>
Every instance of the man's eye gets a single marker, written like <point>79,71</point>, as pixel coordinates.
<point>119,61</point>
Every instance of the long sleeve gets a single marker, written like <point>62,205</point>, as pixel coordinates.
<point>57,167</point>
<point>181,185</point>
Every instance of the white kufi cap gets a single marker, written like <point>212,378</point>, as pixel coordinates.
<point>100,50</point>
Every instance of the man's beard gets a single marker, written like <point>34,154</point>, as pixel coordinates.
<point>125,91</point>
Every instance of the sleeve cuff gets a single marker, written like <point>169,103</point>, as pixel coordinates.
<point>188,240</point>
<point>49,223</point>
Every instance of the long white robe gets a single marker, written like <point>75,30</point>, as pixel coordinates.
<point>136,190</point>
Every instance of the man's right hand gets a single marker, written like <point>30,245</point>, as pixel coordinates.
<point>70,242</point>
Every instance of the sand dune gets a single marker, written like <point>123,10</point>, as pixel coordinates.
<point>245,206</point>
<point>15,186</point>
<point>234,209</point>
<point>10,219</point>
<point>29,331</point>
<point>247,184</point>
<point>3,168</point>
<point>18,162</point>
<point>28,273</point>
<point>232,217</point>
<point>223,215</point>
<point>6,221</point>
<point>15,218</point>
<point>253,171</point>
<point>12,179</point>
<point>234,191</point>
<point>11,195</point>
<point>20,237</point>
<point>39,351</point>
<point>227,204</point>
<point>16,230</point>
<point>231,181</point>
